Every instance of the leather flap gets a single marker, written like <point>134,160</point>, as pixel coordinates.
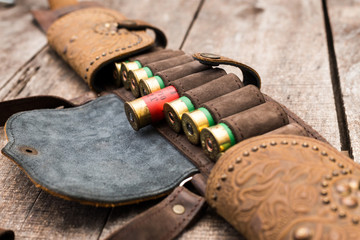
<point>96,157</point>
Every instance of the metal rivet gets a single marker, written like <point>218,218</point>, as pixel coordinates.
<point>223,177</point>
<point>210,55</point>
<point>97,58</point>
<point>246,154</point>
<point>305,144</point>
<point>112,32</point>
<point>350,201</point>
<point>303,233</point>
<point>324,183</point>
<point>104,54</point>
<point>342,214</point>
<point>110,52</point>
<point>92,62</point>
<point>87,69</point>
<point>129,46</point>
<point>263,145</point>
<point>335,173</point>
<point>123,48</point>
<point>340,165</point>
<point>344,171</point>
<point>332,159</point>
<point>324,153</point>
<point>333,208</point>
<point>254,149</point>
<point>178,209</point>
<point>118,49</point>
<point>328,177</point>
<point>326,200</point>
<point>315,148</point>
<point>231,168</point>
<point>294,142</point>
<point>284,142</point>
<point>324,192</point>
<point>218,186</point>
<point>272,143</point>
<point>238,160</point>
<point>214,197</point>
<point>355,220</point>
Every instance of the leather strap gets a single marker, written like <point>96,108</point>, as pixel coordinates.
<point>165,220</point>
<point>250,76</point>
<point>6,234</point>
<point>55,4</point>
<point>8,108</point>
<point>160,38</point>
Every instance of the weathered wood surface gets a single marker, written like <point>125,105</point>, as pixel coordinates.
<point>344,19</point>
<point>284,40</point>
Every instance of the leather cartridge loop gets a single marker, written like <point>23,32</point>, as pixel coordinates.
<point>8,108</point>
<point>160,38</point>
<point>249,74</point>
<point>165,220</point>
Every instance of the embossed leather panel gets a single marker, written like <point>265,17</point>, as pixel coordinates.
<point>88,39</point>
<point>92,155</point>
<point>287,187</point>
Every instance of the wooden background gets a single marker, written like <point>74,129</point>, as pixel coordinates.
<point>306,51</point>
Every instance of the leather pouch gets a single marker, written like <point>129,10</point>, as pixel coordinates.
<point>91,38</point>
<point>287,187</point>
<point>97,158</point>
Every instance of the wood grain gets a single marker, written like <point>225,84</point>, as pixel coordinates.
<point>345,26</point>
<point>285,41</point>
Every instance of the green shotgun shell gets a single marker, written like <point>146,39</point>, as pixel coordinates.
<point>151,85</point>
<point>124,71</point>
<point>174,111</point>
<point>194,122</point>
<point>135,76</point>
<point>216,139</point>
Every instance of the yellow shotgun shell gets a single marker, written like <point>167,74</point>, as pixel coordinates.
<point>126,67</point>
<point>192,124</point>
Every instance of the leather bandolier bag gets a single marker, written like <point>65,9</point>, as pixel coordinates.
<point>279,179</point>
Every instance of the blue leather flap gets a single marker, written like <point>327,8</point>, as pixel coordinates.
<point>91,154</point>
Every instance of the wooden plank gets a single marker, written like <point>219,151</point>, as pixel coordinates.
<point>345,26</point>
<point>20,38</point>
<point>32,213</point>
<point>286,42</point>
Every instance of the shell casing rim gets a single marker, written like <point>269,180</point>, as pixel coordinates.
<point>140,111</point>
<point>197,126</point>
<point>127,67</point>
<point>177,108</point>
<point>117,74</point>
<point>137,75</point>
<point>220,139</point>
<point>148,86</point>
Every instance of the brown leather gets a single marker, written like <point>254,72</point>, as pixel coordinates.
<point>158,66</point>
<point>8,108</point>
<point>161,221</point>
<point>6,234</point>
<point>55,4</point>
<point>257,120</point>
<point>196,79</point>
<point>287,187</point>
<point>250,76</point>
<point>213,89</point>
<point>177,72</point>
<point>234,102</point>
<point>290,129</point>
<point>147,58</point>
<point>46,17</point>
<point>95,41</point>
<point>160,38</point>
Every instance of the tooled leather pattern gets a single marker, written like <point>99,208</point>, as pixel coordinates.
<point>287,187</point>
<point>88,38</point>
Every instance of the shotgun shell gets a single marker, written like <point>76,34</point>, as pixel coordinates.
<point>173,112</point>
<point>134,78</point>
<point>194,122</point>
<point>117,74</point>
<point>151,85</point>
<point>216,139</point>
<point>125,68</point>
<point>148,109</point>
